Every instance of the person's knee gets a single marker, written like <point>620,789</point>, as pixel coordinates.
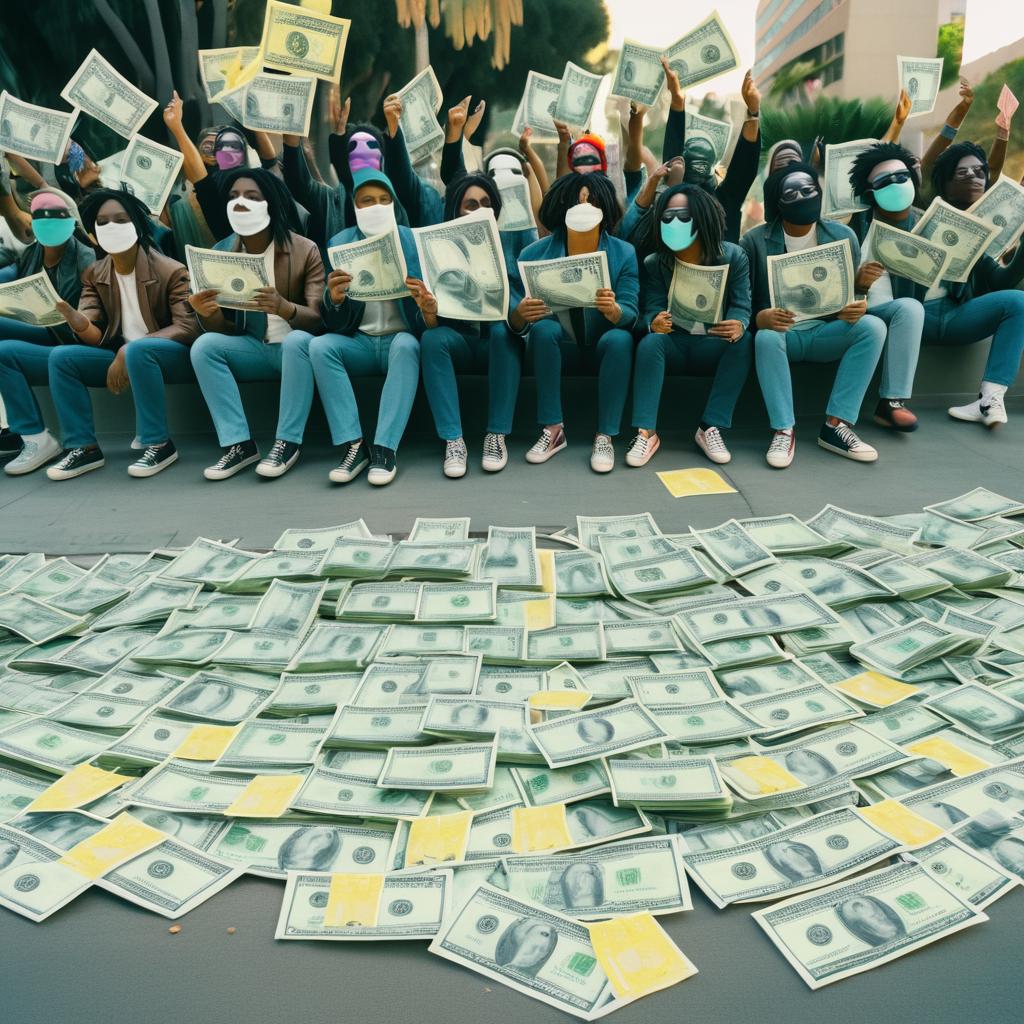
<point>546,332</point>
<point>205,349</point>
<point>296,343</point>
<point>872,329</point>
<point>435,341</point>
<point>769,342</point>
<point>1013,302</point>
<point>137,355</point>
<point>404,349</point>
<point>63,360</point>
<point>908,313</point>
<point>324,347</point>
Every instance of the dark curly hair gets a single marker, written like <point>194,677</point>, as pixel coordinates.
<point>564,193</point>
<point>945,164</point>
<point>867,160</point>
<point>136,209</point>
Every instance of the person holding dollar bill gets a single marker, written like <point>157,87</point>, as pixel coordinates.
<point>133,298</point>
<point>690,230</point>
<point>60,252</point>
<point>248,344</point>
<point>852,337</point>
<point>580,212</point>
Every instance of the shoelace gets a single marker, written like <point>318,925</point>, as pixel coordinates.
<point>149,456</point>
<point>847,436</point>
<point>494,446</point>
<point>276,453</point>
<point>29,449</point>
<point>895,403</point>
<point>713,440</point>
<point>780,443</point>
<point>71,457</point>
<point>226,459</point>
<point>350,457</point>
<point>640,445</point>
<point>455,450</point>
<point>603,446</point>
<point>544,441</point>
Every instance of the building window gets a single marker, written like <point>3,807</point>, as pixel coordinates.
<point>800,30</point>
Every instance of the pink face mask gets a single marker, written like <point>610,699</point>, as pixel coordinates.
<point>364,152</point>
<point>229,154</point>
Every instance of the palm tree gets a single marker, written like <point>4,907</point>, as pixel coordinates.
<point>834,119</point>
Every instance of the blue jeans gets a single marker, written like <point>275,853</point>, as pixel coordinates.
<point>443,351</point>
<point>338,357</point>
<point>611,359</point>
<point>152,363</point>
<point>857,347</point>
<point>24,355</point>
<point>692,354</point>
<point>905,321</point>
<point>73,369</point>
<point>998,314</point>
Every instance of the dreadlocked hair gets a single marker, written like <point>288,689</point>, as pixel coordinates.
<point>708,218</point>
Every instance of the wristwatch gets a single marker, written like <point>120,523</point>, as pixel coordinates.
<point>753,116</point>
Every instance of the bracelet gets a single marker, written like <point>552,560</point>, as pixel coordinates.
<point>753,116</point>
<point>948,132</point>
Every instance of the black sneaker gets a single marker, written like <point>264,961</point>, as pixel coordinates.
<point>235,458</point>
<point>354,459</point>
<point>279,459</point>
<point>382,465</point>
<point>75,462</point>
<point>155,458</point>
<point>843,441</point>
<point>10,443</point>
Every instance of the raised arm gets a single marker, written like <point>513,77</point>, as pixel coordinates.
<point>997,154</point>
<point>752,98</point>
<point>675,125</point>
<point>564,141</point>
<point>538,176</point>
<point>948,131</point>
<point>452,163</point>
<point>26,170</point>
<point>194,168</point>
<point>899,118</point>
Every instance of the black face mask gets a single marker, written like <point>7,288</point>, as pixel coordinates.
<point>801,211</point>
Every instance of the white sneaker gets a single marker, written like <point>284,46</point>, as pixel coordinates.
<point>455,458</point>
<point>495,456</point>
<point>989,409</point>
<point>602,456</point>
<point>782,449</point>
<point>137,445</point>
<point>33,455</point>
<point>550,442</point>
<point>713,445</point>
<point>641,449</point>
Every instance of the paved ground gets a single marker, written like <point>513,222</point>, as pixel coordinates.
<point>101,960</point>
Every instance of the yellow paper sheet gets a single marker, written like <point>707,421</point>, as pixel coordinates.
<point>354,900</point>
<point>124,838</point>
<point>766,775</point>
<point>875,689</point>
<point>546,557</point>
<point>539,614</point>
<point>267,796</point>
<point>684,483</point>
<point>638,956</point>
<point>955,758</point>
<point>82,785</point>
<point>540,828</point>
<point>439,839</point>
<point>901,823</point>
<point>559,700</point>
<point>206,742</point>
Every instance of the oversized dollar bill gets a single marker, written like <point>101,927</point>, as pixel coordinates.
<point>464,266</point>
<point>703,53</point>
<point>643,875</point>
<point>838,199</point>
<point>920,78</point>
<point>421,100</point>
<point>150,170</point>
<point>36,133</point>
<point>855,925</point>
<point>377,266</point>
<point>235,276</point>
<point>577,96</point>
<point>101,92</point>
<point>812,283</point>
<point>569,282</point>
<point>537,107</point>
<point>278,103</point>
<point>516,205</point>
<point>976,879</point>
<point>35,620</point>
<point>733,548</point>
<point>756,616</point>
<point>303,41</point>
<point>580,737</point>
<point>638,74</point>
<point>512,559</point>
<point>981,503</point>
<point>407,907</point>
<point>806,855</point>
<point>1002,206</point>
<point>216,67</point>
<point>963,235</point>
<point>449,767</point>
<point>697,293</point>
<point>31,300</point>
<point>527,947</point>
<point>905,254</point>
<point>717,133</point>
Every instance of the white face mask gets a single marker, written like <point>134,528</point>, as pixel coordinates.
<point>583,217</point>
<point>505,169</point>
<point>116,237</point>
<point>376,219</point>
<point>252,219</point>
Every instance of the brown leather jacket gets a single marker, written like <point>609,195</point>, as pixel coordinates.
<point>162,285</point>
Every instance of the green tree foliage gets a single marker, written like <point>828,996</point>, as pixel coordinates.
<point>951,47</point>
<point>980,124</point>
<point>834,119</point>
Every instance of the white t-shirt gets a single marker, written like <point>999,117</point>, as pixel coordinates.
<point>881,291</point>
<point>794,243</point>
<point>277,329</point>
<point>382,318</point>
<point>132,324</point>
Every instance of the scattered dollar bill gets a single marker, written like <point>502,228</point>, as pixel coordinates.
<point>1002,206</point>
<point>697,294</point>
<point>421,100</point>
<point>278,103</point>
<point>920,79</point>
<point>31,300</point>
<point>537,107</point>
<point>569,282</point>
<point>703,53</point>
<point>638,74</point>
<point>235,276</point>
<point>573,739</point>
<point>100,91</point>
<point>838,199</point>
<point>150,171</point>
<point>303,41</point>
<point>377,266</point>
<point>907,255</point>
<point>577,96</point>
<point>812,283</point>
<point>36,133</point>
<point>963,235</point>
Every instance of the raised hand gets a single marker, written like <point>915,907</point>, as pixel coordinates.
<point>393,113</point>
<point>675,90</point>
<point>474,119</point>
<point>750,93</point>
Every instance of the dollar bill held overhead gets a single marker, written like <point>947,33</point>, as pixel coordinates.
<point>703,53</point>
<point>377,266</point>
<point>537,107</point>
<point>569,282</point>
<point>101,92</point>
<point>697,294</point>
<point>905,254</point>
<point>304,42</point>
<point>838,199</point>
<point>36,133</point>
<point>812,283</point>
<point>920,78</point>
<point>516,205</point>
<point>965,236</point>
<point>421,100</point>
<point>717,134</point>
<point>638,74</point>
<point>577,96</point>
<point>278,103</point>
<point>463,265</point>
<point>216,66</point>
<point>150,170</point>
<point>1003,207</point>
<point>235,276</point>
<point>31,300</point>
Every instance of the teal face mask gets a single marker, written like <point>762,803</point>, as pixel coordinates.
<point>895,197</point>
<point>678,234</point>
<point>53,231</point>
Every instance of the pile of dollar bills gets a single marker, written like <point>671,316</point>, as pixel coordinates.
<point>522,750</point>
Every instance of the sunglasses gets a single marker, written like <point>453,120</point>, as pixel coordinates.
<point>678,213</point>
<point>804,192</point>
<point>978,171</point>
<point>476,204</point>
<point>893,178</point>
<point>45,214</point>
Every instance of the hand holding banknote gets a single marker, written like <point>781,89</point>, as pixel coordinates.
<point>607,306</point>
<point>852,312</point>
<point>425,300</point>
<point>775,319</point>
<point>337,284</point>
<point>393,112</point>
<point>205,303</point>
<point>77,321</point>
<point>662,323</point>
<point>868,275</point>
<point>677,98</point>
<point>730,330</point>
<point>529,311</point>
